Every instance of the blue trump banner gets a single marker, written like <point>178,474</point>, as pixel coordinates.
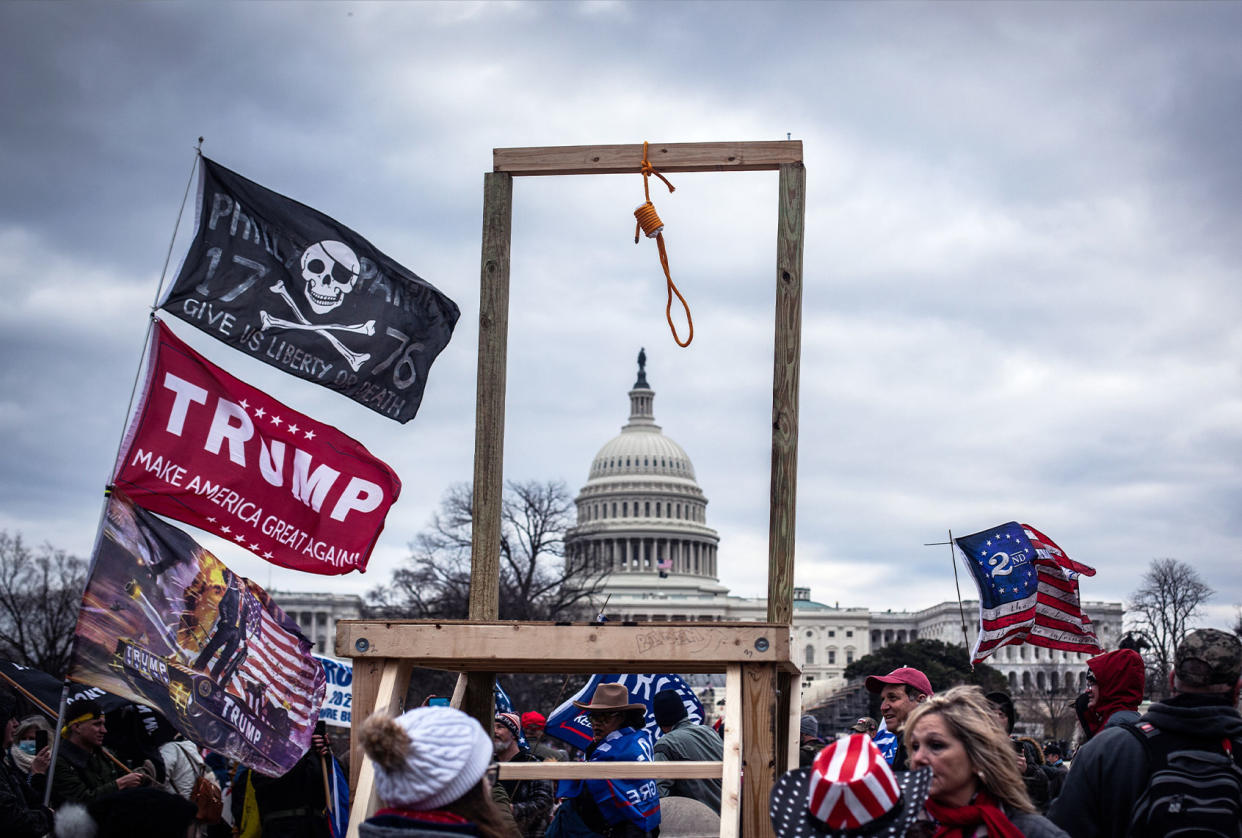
<point>570,724</point>
<point>337,704</point>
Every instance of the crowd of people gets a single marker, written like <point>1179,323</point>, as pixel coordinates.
<point>949,764</point>
<point>935,764</point>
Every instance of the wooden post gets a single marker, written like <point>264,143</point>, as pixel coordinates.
<point>489,431</point>
<point>731,779</point>
<point>759,722</point>
<point>786,354</point>
<point>386,692</point>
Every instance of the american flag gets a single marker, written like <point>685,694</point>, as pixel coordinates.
<point>1028,591</point>
<point>664,566</point>
<point>279,661</point>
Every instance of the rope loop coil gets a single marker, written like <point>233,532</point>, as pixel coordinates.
<point>648,221</point>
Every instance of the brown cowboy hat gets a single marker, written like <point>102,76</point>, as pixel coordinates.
<point>611,697</point>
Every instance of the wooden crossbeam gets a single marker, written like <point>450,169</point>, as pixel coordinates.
<point>469,646</point>
<point>627,159</point>
<point>688,770</point>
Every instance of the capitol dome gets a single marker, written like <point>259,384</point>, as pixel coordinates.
<point>642,518</point>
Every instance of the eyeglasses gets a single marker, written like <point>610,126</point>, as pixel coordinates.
<point>493,773</point>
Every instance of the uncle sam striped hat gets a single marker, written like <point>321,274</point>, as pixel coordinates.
<point>848,790</point>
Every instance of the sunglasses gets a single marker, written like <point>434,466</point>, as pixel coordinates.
<point>1091,679</point>
<point>603,715</point>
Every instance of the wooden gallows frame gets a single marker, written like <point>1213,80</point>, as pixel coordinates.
<point>761,676</point>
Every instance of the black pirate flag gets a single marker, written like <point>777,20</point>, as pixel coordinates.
<point>288,285</point>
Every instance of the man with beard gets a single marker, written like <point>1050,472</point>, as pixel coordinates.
<point>530,800</point>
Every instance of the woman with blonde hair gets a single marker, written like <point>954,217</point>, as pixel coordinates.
<point>976,790</point>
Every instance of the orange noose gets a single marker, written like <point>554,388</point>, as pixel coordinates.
<point>649,222</point>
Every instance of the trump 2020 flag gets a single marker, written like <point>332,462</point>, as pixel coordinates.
<point>210,450</point>
<point>571,725</point>
<point>288,285</point>
<point>164,623</point>
<point>1028,591</point>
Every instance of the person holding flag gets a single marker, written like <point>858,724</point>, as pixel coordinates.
<point>612,808</point>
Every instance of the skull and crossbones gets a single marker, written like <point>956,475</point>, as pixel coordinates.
<point>330,270</point>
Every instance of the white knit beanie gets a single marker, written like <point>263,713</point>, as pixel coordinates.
<point>426,757</point>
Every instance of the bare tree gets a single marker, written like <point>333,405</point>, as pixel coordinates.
<point>536,582</point>
<point>40,591</point>
<point>1171,594</point>
<point>1053,709</point>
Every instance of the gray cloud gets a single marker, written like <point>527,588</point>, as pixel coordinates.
<point>1020,296</point>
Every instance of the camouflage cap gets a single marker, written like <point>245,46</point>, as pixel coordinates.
<point>1206,657</point>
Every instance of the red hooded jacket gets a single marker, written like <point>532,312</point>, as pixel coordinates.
<point>1120,677</point>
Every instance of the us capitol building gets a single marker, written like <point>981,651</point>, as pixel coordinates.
<point>642,518</point>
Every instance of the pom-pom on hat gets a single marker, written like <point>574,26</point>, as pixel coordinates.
<point>849,790</point>
<point>427,757</point>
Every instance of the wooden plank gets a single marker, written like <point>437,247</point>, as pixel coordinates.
<point>468,646</point>
<point>731,783</point>
<point>610,770</point>
<point>389,696</point>
<point>666,157</point>
<point>758,748</point>
<point>489,429</point>
<point>789,720</point>
<point>791,218</point>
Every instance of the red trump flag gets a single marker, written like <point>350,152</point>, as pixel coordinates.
<point>212,451</point>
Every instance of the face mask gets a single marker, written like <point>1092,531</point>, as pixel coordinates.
<point>26,747</point>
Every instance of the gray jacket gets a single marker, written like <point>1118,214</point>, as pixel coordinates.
<point>688,741</point>
<point>1109,773</point>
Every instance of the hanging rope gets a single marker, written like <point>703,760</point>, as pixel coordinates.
<point>650,224</point>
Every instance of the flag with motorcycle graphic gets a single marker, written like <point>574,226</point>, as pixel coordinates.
<point>164,623</point>
<point>290,286</point>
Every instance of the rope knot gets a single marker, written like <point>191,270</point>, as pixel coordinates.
<point>648,221</point>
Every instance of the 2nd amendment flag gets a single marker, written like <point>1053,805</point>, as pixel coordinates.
<point>288,285</point>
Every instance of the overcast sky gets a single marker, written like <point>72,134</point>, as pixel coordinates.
<point>1021,295</point>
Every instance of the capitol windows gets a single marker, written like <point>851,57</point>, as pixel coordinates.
<point>647,509</point>
<point>832,632</point>
<point>614,509</point>
<point>849,656</point>
<point>832,656</point>
<point>625,509</point>
<point>849,632</point>
<point>810,654</point>
<point>679,511</point>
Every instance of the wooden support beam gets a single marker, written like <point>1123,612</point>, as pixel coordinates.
<point>791,217</point>
<point>387,694</point>
<point>489,427</point>
<point>731,783</point>
<point>489,432</point>
<point>758,748</point>
<point>627,159</point>
<point>553,770</point>
<point>467,646</point>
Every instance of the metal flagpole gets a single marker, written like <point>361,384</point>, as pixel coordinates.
<point>103,512</point>
<point>961,608</point>
<point>51,766</point>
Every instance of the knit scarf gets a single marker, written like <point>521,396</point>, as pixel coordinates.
<point>960,821</point>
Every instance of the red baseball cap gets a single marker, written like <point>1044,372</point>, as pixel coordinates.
<point>533,719</point>
<point>907,675</point>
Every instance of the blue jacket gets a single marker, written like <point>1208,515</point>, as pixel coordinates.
<point>637,801</point>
